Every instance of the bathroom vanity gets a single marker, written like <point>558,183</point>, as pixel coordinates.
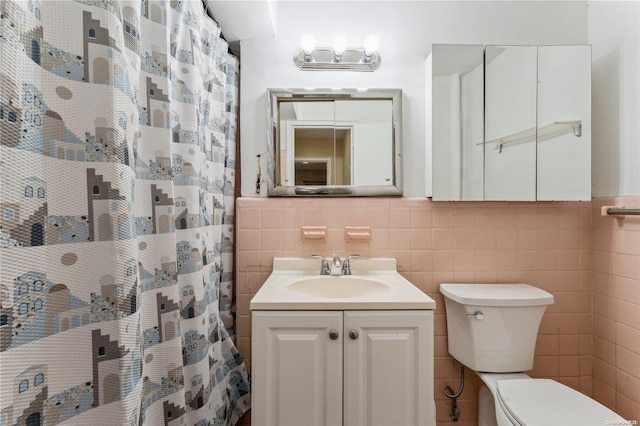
<point>352,350</point>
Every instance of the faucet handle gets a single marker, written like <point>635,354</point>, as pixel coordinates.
<point>346,265</point>
<point>324,267</point>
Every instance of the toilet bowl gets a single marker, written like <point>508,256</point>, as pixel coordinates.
<point>492,329</point>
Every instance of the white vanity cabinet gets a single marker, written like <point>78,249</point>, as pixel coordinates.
<point>342,368</point>
<point>296,368</point>
<point>388,359</point>
<point>509,123</point>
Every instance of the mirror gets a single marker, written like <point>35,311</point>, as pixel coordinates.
<point>334,142</point>
<point>458,114</point>
<point>510,107</point>
<point>564,123</point>
<point>510,123</point>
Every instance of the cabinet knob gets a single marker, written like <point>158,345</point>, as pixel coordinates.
<point>333,334</point>
<point>353,334</point>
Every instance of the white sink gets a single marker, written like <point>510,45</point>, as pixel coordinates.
<point>339,287</point>
<point>296,284</point>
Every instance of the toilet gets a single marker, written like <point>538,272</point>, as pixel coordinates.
<point>492,329</point>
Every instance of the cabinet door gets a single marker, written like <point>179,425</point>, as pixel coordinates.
<point>455,124</point>
<point>564,123</point>
<point>510,123</point>
<point>296,368</point>
<point>388,376</point>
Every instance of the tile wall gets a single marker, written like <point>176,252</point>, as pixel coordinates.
<point>616,308</point>
<point>544,244</point>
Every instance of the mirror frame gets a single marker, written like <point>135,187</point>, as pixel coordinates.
<point>274,186</point>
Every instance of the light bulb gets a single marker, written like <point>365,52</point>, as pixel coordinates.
<point>339,44</point>
<point>370,45</point>
<point>308,44</point>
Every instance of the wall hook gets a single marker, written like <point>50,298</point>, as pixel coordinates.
<point>449,393</point>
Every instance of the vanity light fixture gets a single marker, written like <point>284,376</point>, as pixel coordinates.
<point>339,57</point>
<point>339,45</point>
<point>308,44</point>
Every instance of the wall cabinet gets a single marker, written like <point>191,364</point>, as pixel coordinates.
<point>510,122</point>
<point>342,368</point>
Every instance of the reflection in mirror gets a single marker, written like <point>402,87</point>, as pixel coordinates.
<point>335,142</point>
<point>564,96</point>
<point>457,123</point>
<point>535,141</point>
<point>322,156</point>
<point>510,107</point>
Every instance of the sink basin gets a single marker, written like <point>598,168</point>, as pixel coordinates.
<point>339,287</point>
<point>296,284</point>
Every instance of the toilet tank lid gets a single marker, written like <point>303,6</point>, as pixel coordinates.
<point>496,294</point>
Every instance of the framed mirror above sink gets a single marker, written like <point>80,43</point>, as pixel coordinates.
<point>334,142</point>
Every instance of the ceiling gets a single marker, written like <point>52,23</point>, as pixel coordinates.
<point>240,20</point>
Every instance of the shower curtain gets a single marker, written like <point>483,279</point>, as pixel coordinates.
<point>118,127</point>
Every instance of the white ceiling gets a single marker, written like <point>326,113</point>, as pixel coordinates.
<point>243,19</point>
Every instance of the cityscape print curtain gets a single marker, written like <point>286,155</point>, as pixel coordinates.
<point>118,126</point>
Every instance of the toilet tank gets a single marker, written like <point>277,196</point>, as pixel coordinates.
<point>493,327</point>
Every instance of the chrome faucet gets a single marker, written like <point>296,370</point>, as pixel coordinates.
<point>324,267</point>
<point>336,266</point>
<point>346,265</point>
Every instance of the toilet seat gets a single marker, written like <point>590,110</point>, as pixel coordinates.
<point>537,402</point>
